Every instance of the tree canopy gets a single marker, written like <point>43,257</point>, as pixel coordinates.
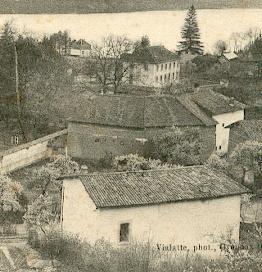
<point>179,147</point>
<point>191,42</point>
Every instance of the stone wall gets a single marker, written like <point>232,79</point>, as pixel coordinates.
<point>31,152</point>
<point>94,142</point>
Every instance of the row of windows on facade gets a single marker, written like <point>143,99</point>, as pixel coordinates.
<point>161,66</point>
<point>165,66</point>
<point>165,78</point>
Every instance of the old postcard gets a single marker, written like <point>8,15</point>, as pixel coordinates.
<point>130,136</point>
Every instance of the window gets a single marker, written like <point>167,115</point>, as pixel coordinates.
<point>157,67</point>
<point>83,52</point>
<point>124,232</point>
<point>146,67</point>
<point>223,125</point>
<point>165,78</point>
<point>97,140</point>
<point>168,77</point>
<point>162,67</point>
<point>169,65</point>
<point>156,78</point>
<point>174,64</point>
<point>173,75</point>
<point>166,66</point>
<point>160,78</point>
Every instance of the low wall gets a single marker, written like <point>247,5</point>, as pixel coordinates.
<point>26,154</point>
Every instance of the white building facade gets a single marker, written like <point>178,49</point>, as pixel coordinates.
<point>222,130</point>
<point>154,66</point>
<point>187,223</point>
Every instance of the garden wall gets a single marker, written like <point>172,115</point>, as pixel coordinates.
<point>31,152</point>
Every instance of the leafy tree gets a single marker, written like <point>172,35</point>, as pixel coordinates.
<point>12,200</point>
<point>40,213</point>
<point>180,147</point>
<point>45,179</point>
<point>134,162</point>
<point>46,207</point>
<point>247,157</point>
<point>190,34</point>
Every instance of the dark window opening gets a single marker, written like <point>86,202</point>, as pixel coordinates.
<point>124,232</point>
<point>97,140</point>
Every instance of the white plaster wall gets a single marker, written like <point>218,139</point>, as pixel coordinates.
<point>222,133</point>
<point>79,214</point>
<point>24,157</point>
<point>187,223</point>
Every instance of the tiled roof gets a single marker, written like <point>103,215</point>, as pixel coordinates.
<point>246,130</point>
<point>81,44</point>
<point>123,189</point>
<point>152,54</point>
<point>138,112</point>
<point>215,103</point>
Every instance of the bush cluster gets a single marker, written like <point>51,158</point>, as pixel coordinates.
<point>80,256</point>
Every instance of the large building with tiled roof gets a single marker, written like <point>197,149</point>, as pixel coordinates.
<point>183,205</point>
<point>111,125</point>
<point>153,66</point>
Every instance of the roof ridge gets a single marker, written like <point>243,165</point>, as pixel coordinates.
<point>177,167</point>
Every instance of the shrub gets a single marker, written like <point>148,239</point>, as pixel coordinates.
<point>80,256</point>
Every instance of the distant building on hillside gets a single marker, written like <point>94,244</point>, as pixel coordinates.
<point>79,48</point>
<point>224,110</point>
<point>153,66</point>
<point>186,206</point>
<point>112,125</point>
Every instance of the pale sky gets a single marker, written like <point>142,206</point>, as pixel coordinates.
<point>162,27</point>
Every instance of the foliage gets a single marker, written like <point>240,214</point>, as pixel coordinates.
<point>64,165</point>
<point>180,147</point>
<point>204,63</point>
<point>39,213</point>
<point>183,86</point>
<point>220,47</point>
<point>248,155</point>
<point>143,43</point>
<point>46,207</point>
<point>12,199</point>
<point>80,256</point>
<point>190,34</point>
<point>134,162</point>
<point>45,179</point>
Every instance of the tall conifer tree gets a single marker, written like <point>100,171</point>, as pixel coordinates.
<point>191,42</point>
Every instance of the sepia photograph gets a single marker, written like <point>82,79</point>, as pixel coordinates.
<point>131,136</point>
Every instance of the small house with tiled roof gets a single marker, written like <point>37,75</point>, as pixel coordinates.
<point>224,110</point>
<point>106,126</point>
<point>153,66</point>
<point>179,206</point>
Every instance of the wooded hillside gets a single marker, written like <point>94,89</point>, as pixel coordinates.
<point>94,6</point>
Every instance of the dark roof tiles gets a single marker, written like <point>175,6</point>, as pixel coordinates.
<point>123,189</point>
<point>214,102</point>
<point>138,112</point>
<point>151,54</point>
